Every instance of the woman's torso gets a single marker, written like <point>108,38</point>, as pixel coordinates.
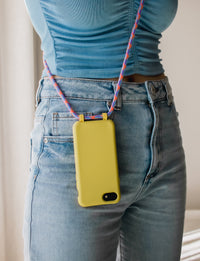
<point>88,38</point>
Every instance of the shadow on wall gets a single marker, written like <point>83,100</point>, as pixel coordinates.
<point>191,246</point>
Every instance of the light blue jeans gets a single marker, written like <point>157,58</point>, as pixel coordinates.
<point>147,223</point>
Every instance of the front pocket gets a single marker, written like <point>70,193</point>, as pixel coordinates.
<point>56,163</point>
<point>59,120</point>
<point>63,124</point>
<point>57,139</point>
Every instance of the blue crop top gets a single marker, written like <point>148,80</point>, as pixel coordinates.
<point>88,38</point>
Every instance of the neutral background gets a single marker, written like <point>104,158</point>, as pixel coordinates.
<point>20,70</point>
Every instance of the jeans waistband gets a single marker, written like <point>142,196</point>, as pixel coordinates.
<point>148,91</point>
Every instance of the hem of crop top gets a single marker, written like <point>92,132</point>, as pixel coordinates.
<point>151,69</point>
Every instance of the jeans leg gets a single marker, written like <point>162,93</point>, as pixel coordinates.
<point>152,226</point>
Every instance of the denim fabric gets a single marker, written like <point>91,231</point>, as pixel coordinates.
<point>147,223</point>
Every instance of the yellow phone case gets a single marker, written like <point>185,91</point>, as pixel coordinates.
<point>97,177</point>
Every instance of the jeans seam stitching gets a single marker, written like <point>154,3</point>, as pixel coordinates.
<point>74,97</point>
<point>159,131</point>
<point>31,213</point>
<point>42,143</point>
<point>156,138</point>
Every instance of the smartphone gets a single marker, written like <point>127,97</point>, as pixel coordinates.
<point>96,164</point>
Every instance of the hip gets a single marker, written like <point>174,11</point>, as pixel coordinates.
<point>145,117</point>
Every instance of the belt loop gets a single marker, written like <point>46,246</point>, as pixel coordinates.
<point>118,104</point>
<point>168,89</point>
<point>38,91</point>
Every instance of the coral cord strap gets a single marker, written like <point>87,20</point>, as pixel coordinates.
<point>100,116</point>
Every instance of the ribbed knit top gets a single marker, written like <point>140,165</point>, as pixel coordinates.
<point>88,38</point>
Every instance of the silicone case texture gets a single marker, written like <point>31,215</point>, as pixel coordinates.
<point>95,151</point>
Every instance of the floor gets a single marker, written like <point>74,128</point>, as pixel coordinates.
<point>191,237</point>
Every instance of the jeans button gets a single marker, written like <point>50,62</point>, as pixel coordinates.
<point>45,140</point>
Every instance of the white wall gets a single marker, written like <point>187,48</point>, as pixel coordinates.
<point>180,47</point>
<point>16,121</point>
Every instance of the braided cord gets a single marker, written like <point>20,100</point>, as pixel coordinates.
<point>100,116</point>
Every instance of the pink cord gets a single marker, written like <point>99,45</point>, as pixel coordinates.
<point>99,116</point>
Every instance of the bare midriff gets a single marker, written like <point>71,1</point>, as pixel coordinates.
<point>129,78</point>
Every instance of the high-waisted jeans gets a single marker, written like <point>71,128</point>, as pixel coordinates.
<point>147,223</point>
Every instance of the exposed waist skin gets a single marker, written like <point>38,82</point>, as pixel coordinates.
<point>130,78</point>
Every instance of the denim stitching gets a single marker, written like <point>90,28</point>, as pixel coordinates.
<point>31,212</point>
<point>34,181</point>
<point>159,135</point>
<point>144,101</point>
<point>73,97</point>
<point>59,139</point>
<point>155,137</point>
<point>151,141</point>
<point>54,127</point>
<point>42,143</point>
